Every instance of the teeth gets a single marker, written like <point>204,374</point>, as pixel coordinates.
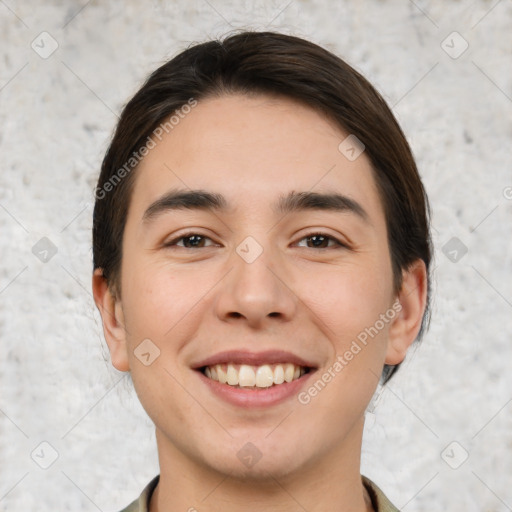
<point>289,372</point>
<point>222,375</point>
<point>232,375</point>
<point>245,375</point>
<point>264,376</point>
<point>278,374</point>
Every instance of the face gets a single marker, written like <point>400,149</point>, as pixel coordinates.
<point>291,302</point>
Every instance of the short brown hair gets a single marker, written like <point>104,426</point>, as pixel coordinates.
<point>269,63</point>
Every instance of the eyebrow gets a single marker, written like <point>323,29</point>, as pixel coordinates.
<point>292,202</point>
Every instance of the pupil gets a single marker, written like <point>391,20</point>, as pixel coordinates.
<point>193,237</point>
<point>316,238</point>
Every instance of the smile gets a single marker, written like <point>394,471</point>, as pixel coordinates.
<point>249,376</point>
<point>254,379</point>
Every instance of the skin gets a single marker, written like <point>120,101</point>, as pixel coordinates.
<point>194,302</point>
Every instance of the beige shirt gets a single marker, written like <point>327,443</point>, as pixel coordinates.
<point>379,501</point>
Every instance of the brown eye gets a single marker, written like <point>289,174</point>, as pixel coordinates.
<point>321,241</point>
<point>190,241</point>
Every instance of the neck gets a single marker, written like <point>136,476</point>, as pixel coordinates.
<point>332,483</point>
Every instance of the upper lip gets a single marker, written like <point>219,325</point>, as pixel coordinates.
<point>253,358</point>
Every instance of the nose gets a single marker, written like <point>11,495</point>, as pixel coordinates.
<point>257,292</point>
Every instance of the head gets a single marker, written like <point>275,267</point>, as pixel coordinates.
<point>271,140</point>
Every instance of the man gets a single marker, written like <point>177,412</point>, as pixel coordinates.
<point>262,252</point>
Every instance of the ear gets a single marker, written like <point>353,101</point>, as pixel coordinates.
<point>113,321</point>
<point>406,325</point>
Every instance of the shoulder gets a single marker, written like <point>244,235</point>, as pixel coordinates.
<point>141,504</point>
<point>380,501</point>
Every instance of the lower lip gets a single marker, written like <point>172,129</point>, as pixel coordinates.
<point>255,397</point>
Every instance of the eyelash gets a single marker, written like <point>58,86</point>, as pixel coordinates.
<point>190,234</point>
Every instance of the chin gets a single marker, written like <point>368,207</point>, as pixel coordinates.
<point>263,471</point>
<point>258,461</point>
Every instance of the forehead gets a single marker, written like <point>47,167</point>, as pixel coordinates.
<point>253,150</point>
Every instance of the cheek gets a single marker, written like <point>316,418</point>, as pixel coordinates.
<point>349,297</point>
<point>169,305</point>
<point>349,306</point>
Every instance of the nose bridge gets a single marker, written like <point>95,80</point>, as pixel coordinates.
<point>255,288</point>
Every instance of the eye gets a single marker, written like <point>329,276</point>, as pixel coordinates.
<point>195,240</point>
<point>319,241</point>
<point>190,240</point>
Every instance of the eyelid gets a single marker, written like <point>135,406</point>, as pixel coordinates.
<point>186,234</point>
<point>341,241</point>
<point>338,243</point>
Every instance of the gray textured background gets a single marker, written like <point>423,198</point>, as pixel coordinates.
<point>56,118</point>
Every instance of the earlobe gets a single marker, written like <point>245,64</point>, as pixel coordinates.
<point>406,326</point>
<point>113,322</point>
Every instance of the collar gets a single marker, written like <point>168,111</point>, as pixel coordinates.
<point>380,502</point>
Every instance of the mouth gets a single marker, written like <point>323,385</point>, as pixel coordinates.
<point>251,376</point>
<point>250,379</point>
